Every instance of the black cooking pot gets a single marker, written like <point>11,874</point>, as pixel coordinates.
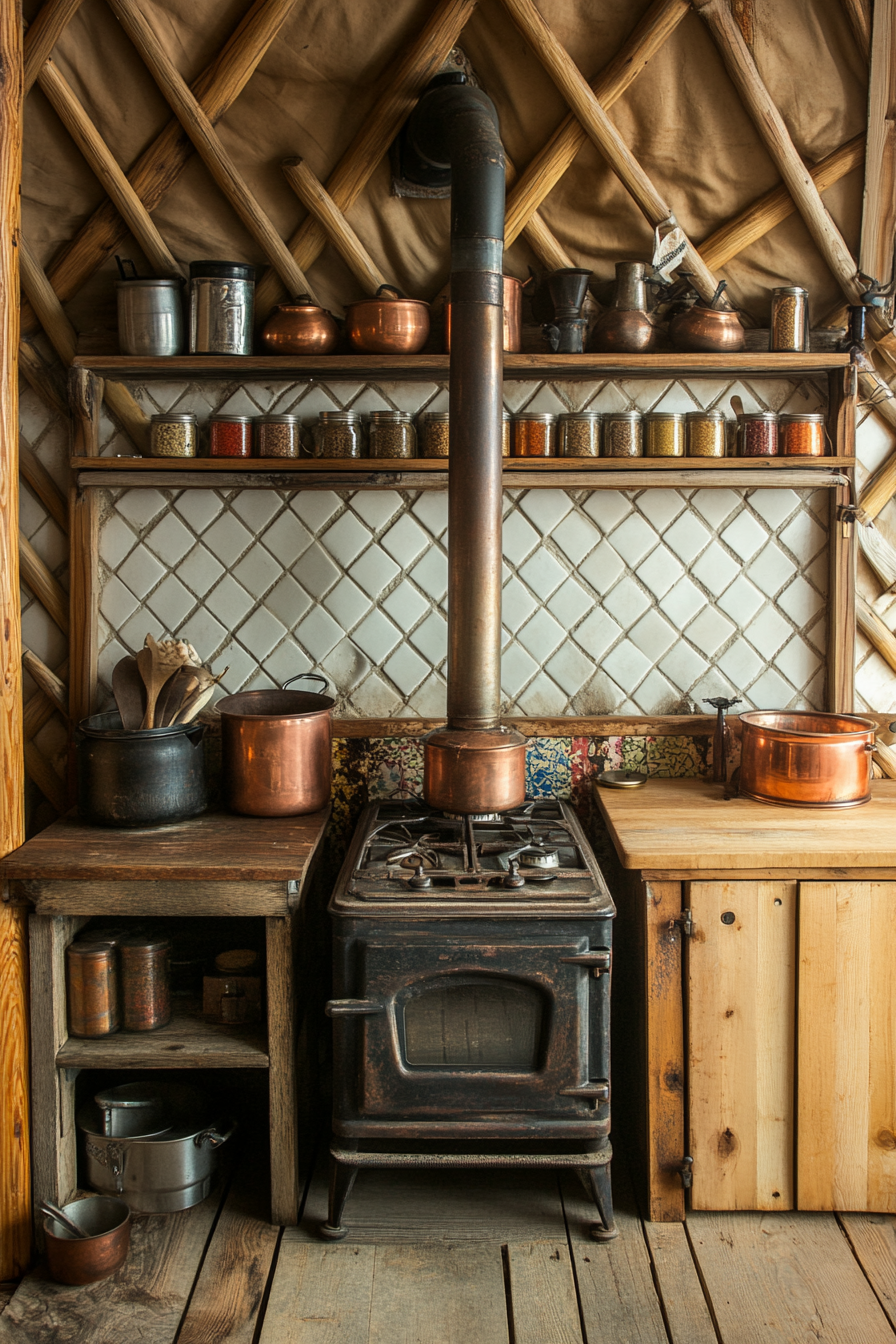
<point>139,777</point>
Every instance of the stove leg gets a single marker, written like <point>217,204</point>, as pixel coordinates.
<point>342,1178</point>
<point>601,1189</point>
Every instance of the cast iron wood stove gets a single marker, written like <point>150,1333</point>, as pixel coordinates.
<point>472,1011</point>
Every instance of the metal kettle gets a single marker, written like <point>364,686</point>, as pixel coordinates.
<point>627,328</point>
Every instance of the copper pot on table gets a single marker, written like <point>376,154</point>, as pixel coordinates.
<point>802,758</point>
<point>301,327</point>
<point>389,324</point>
<point>276,750</point>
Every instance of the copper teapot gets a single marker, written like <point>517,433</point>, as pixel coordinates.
<point>706,328</point>
<point>301,327</point>
<point>627,328</point>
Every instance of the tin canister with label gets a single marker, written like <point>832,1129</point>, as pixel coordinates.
<point>145,989</point>
<point>91,973</point>
<point>222,306</point>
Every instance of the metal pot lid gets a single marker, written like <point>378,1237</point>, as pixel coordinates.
<point>621,779</point>
<point>221,270</point>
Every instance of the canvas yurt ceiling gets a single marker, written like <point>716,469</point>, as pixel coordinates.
<point>323,70</point>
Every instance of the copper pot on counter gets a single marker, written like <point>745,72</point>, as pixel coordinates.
<point>301,327</point>
<point>388,324</point>
<point>802,758</point>
<point>276,750</point>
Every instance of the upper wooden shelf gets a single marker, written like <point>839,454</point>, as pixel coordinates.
<point>436,366</point>
<point>373,468</point>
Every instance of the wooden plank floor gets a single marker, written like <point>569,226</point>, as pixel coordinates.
<point>475,1258</point>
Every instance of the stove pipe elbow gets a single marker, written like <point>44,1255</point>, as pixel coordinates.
<point>456,126</point>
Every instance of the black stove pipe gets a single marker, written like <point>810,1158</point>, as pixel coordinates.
<point>456,126</point>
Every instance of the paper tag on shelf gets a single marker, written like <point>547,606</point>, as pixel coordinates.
<point>669,251</point>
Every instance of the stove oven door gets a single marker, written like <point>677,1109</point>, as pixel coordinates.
<point>486,1033</point>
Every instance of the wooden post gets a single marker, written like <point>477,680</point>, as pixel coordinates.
<point>842,606</point>
<point>879,206</point>
<point>84,603</point>
<point>15,1176</point>
<point>85,393</point>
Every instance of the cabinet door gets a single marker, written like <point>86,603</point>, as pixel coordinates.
<point>741,1034</point>
<point>846,1122</point>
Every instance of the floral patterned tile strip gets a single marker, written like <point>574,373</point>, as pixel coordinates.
<point>548,768</point>
<point>677,757</point>
<point>394,767</point>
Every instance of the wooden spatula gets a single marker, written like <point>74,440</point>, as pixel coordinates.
<point>129,692</point>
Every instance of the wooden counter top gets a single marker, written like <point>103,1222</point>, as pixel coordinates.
<point>216,847</point>
<point>681,825</point>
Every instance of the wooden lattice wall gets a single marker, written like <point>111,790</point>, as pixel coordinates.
<point>49,340</point>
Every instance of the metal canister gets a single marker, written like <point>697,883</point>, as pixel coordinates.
<point>222,306</point>
<point>91,972</point>
<point>790,319</point>
<point>145,991</point>
<point>663,434</point>
<point>150,317</point>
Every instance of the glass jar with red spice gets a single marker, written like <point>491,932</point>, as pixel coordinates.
<point>230,436</point>
<point>757,434</point>
<point>801,435</point>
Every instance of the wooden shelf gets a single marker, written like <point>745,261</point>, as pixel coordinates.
<point>425,466</point>
<point>241,367</point>
<point>188,1042</point>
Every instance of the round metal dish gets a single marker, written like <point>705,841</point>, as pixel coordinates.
<point>621,779</point>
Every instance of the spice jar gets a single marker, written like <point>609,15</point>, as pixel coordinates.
<point>145,994</point>
<point>790,319</point>
<point>705,434</point>
<point>172,435</point>
<point>505,434</point>
<point>338,434</point>
<point>578,434</point>
<point>801,435</point>
<point>434,434</point>
<point>663,434</point>
<point>757,434</point>
<point>622,434</point>
<point>230,436</point>
<point>279,436</point>
<point>391,434</point>
<point>222,305</point>
<point>534,434</point>
<point>91,972</point>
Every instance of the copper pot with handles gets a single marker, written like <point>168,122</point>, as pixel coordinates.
<point>301,327</point>
<point>388,324</point>
<point>275,748</point>
<point>803,758</point>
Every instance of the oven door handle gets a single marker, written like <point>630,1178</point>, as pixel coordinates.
<point>353,1007</point>
<point>597,960</point>
<point>597,1090</point>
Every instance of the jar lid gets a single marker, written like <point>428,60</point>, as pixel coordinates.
<point>222,270</point>
<point>339,417</point>
<point>791,289</point>
<point>442,416</point>
<point>151,282</point>
<point>632,416</point>
<point>389,417</point>
<point>94,949</point>
<point>768,416</point>
<point>230,420</point>
<point>670,417</point>
<point>536,417</point>
<point>279,420</point>
<point>590,416</point>
<point>802,418</point>
<point>174,418</point>
<point>145,942</point>
<point>694,417</point>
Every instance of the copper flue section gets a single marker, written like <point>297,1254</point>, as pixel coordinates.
<point>478,771</point>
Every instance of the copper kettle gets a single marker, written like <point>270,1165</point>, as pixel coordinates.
<point>301,327</point>
<point>706,328</point>
<point>627,328</point>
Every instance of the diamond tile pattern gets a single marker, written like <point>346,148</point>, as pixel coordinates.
<point>634,601</point>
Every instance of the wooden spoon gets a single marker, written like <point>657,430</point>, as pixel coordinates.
<point>129,692</point>
<point>154,674</point>
<point>173,694</point>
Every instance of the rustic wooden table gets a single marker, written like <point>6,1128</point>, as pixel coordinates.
<point>213,865</point>
<point>753,965</point>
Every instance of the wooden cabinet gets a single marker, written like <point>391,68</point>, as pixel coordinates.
<point>764,997</point>
<point>212,866</point>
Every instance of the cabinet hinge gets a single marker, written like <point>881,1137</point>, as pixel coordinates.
<point>684,922</point>
<point>686,1171</point>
